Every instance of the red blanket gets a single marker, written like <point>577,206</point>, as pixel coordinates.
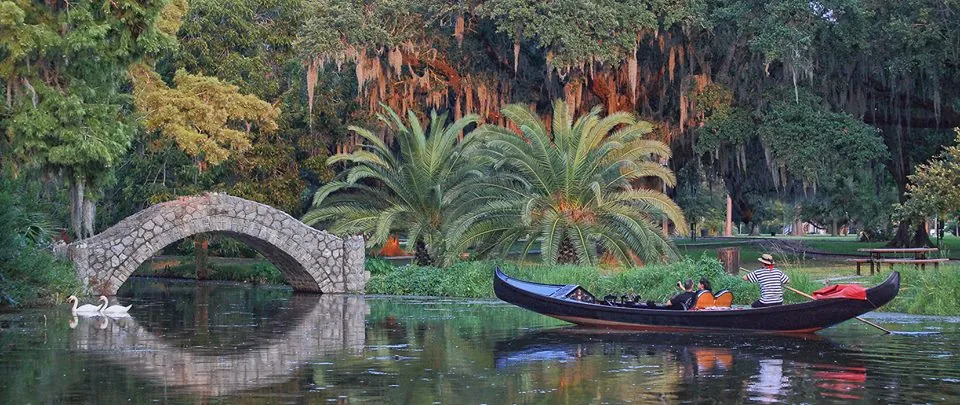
<point>851,291</point>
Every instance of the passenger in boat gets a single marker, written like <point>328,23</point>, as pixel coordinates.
<point>771,281</point>
<point>704,285</point>
<point>685,299</point>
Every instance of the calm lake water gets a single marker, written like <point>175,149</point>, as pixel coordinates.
<point>223,343</point>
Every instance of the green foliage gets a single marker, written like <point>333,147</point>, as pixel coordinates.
<point>572,187</point>
<point>816,145</point>
<point>607,31</point>
<point>928,292</point>
<point>65,131</point>
<point>813,146</point>
<point>703,199</point>
<point>200,113</point>
<point>415,190</point>
<point>64,68</point>
<point>256,273</point>
<point>377,266</point>
<point>248,44</point>
<point>29,273</point>
<point>935,187</point>
<point>859,200</point>
<point>651,282</point>
<point>335,25</point>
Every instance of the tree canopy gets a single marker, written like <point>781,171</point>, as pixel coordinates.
<point>817,105</point>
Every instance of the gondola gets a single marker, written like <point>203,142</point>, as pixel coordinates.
<point>574,304</point>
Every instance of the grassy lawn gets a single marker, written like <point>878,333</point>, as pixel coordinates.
<point>817,267</point>
<point>848,245</point>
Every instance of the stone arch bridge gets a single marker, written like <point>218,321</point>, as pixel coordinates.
<point>310,260</point>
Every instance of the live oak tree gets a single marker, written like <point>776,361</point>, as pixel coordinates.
<point>883,64</point>
<point>805,153</point>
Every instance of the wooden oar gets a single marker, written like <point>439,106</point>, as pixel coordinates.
<point>857,318</point>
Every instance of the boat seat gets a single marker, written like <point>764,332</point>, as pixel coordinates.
<point>723,298</point>
<point>704,299</point>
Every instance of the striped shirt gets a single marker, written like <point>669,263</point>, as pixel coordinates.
<point>771,284</point>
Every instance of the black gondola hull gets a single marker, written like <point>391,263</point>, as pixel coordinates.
<point>805,317</point>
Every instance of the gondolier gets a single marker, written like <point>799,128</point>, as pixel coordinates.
<point>771,281</point>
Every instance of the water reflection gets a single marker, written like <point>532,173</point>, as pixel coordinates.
<point>685,367</point>
<point>327,324</point>
<point>768,382</point>
<point>209,343</point>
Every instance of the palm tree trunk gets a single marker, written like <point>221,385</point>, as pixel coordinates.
<point>422,255</point>
<point>566,253</point>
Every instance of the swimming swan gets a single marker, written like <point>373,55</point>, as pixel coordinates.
<point>114,310</point>
<point>85,309</point>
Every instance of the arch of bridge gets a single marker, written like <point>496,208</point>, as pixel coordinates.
<point>311,260</point>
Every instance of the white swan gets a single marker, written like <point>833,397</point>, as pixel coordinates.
<point>113,310</point>
<point>85,309</point>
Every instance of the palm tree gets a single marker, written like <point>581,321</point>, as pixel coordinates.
<point>410,191</point>
<point>570,187</point>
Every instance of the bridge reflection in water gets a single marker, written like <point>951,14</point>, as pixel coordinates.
<point>328,324</point>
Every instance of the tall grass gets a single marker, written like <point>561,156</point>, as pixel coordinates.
<point>928,292</point>
<point>652,282</point>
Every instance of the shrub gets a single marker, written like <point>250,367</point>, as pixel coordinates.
<point>652,282</point>
<point>29,272</point>
<point>378,266</point>
<point>257,273</point>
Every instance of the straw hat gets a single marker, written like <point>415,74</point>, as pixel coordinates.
<point>766,259</point>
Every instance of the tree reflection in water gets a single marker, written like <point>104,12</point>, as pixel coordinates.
<point>211,343</point>
<point>687,367</point>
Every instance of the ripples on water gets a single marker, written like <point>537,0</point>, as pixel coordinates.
<point>222,343</point>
